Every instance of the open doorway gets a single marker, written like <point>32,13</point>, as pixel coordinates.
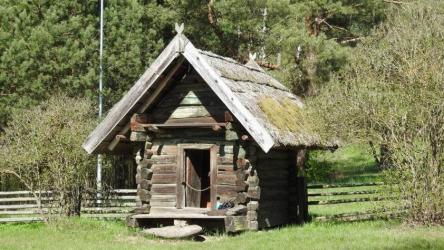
<point>197,178</point>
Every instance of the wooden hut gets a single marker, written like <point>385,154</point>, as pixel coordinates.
<point>212,142</point>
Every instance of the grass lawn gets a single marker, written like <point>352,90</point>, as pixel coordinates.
<point>349,164</point>
<point>89,234</point>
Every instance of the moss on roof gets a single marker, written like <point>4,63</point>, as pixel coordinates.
<point>285,114</point>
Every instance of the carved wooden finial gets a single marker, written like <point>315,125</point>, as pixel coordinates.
<point>179,28</point>
<point>252,56</point>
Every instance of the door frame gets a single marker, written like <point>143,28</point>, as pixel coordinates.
<point>181,168</point>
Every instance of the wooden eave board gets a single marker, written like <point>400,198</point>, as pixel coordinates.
<point>117,114</point>
<point>220,88</point>
<point>180,45</point>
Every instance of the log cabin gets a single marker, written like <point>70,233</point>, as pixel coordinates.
<point>216,142</point>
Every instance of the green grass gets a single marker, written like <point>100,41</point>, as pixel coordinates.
<point>353,207</point>
<point>88,234</point>
<point>350,164</point>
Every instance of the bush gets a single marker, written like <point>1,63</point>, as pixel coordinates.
<point>319,169</point>
<point>392,94</point>
<point>41,146</point>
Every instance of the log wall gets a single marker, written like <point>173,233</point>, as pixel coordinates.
<point>190,100</point>
<point>263,187</point>
<point>276,194</point>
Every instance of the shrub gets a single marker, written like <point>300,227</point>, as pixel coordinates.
<point>392,94</point>
<point>41,146</point>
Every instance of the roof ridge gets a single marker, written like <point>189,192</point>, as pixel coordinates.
<point>229,59</point>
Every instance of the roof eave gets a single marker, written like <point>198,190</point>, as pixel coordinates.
<point>151,75</point>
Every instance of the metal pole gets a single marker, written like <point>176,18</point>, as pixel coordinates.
<point>99,157</point>
<point>264,30</point>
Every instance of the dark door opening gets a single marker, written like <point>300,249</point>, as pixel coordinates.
<point>197,178</point>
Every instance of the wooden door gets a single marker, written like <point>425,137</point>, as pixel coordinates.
<point>194,181</point>
<point>190,181</point>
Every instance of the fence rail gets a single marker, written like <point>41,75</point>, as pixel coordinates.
<point>21,206</point>
<point>322,195</point>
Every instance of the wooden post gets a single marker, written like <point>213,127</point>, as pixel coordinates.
<point>301,186</point>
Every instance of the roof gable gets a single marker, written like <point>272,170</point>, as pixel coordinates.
<point>240,88</point>
<point>112,125</point>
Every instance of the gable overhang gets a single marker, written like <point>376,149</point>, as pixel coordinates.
<point>179,46</point>
<point>128,102</point>
<point>220,88</point>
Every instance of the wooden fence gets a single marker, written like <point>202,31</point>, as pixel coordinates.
<point>21,206</point>
<point>359,193</point>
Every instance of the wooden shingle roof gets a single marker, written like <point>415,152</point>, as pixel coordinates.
<point>242,88</point>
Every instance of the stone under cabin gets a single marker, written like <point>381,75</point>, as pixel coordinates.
<point>217,143</point>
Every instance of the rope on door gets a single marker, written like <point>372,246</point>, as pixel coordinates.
<point>195,189</point>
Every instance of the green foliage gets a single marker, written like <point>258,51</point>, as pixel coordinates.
<point>323,30</point>
<point>392,94</point>
<point>41,146</point>
<point>348,164</point>
<point>48,46</point>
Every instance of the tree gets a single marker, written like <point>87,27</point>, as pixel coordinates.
<point>392,93</point>
<point>41,146</point>
<point>312,37</point>
<point>48,46</point>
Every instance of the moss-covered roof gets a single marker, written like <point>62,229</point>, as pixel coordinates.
<point>281,112</point>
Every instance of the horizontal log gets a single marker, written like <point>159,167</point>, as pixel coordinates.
<point>171,210</point>
<point>191,99</point>
<point>24,212</point>
<point>313,186</point>
<point>235,223</point>
<point>164,168</point>
<point>165,149</point>
<point>161,189</point>
<point>225,160</point>
<point>240,187</point>
<point>228,167</point>
<point>338,201</point>
<point>206,119</point>
<point>213,140</point>
<point>237,210</point>
<point>343,193</point>
<point>164,179</point>
<point>182,112</point>
<point>164,159</point>
<point>230,179</point>
<point>20,193</point>
<point>162,204</point>
<point>21,219</point>
<point>23,199</point>
<point>163,198</point>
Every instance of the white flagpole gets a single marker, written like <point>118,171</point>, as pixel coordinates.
<point>99,157</point>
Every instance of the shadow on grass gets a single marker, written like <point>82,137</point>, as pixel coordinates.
<point>349,164</point>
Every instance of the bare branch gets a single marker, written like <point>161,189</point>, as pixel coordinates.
<point>394,2</point>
